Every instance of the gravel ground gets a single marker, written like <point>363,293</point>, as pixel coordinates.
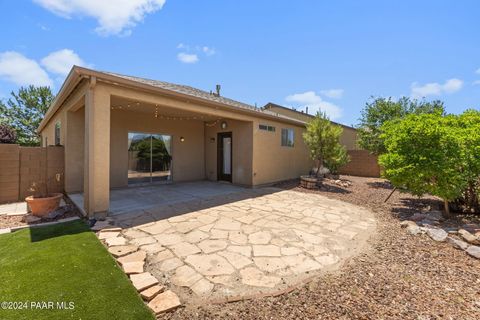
<point>398,277</point>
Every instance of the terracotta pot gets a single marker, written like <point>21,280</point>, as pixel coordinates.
<point>42,206</point>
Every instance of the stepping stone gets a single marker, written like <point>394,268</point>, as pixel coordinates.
<point>266,250</point>
<point>152,248</point>
<point>184,249</point>
<point>133,267</point>
<point>236,259</point>
<point>261,237</point>
<point>105,235</point>
<point>244,250</point>
<point>196,236</point>
<point>163,302</point>
<point>143,241</point>
<point>150,293</point>
<point>143,280</point>
<point>138,256</point>
<point>120,251</point>
<point>117,241</point>
<point>209,246</point>
<point>185,276</point>
<point>253,277</point>
<point>202,287</point>
<point>170,264</point>
<point>210,264</point>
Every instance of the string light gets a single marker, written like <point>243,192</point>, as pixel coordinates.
<point>176,118</point>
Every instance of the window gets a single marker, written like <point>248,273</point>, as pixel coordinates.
<point>57,133</point>
<point>287,137</point>
<point>266,127</point>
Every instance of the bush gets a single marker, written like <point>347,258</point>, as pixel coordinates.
<point>434,154</point>
<point>323,141</point>
<point>7,134</point>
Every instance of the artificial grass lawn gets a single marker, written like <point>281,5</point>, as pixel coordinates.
<point>64,263</point>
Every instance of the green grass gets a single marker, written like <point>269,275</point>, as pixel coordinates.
<point>64,263</point>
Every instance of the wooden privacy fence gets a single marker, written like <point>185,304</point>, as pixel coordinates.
<point>362,163</point>
<point>23,172</point>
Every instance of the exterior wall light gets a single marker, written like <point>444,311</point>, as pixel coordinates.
<point>223,125</point>
<point>182,139</point>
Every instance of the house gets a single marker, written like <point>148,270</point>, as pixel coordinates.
<point>121,130</point>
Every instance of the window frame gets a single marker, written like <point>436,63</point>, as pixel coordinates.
<point>287,136</point>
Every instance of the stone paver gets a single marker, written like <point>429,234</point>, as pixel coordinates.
<point>117,241</point>
<point>143,280</point>
<point>249,241</point>
<point>150,293</point>
<point>133,267</point>
<point>163,302</point>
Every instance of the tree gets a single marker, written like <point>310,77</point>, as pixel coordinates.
<point>433,154</point>
<point>25,110</point>
<point>322,138</point>
<point>7,134</point>
<point>381,110</point>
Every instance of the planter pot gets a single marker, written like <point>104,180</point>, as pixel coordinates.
<point>309,182</point>
<point>41,206</point>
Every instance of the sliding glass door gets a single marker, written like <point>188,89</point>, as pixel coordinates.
<point>149,158</point>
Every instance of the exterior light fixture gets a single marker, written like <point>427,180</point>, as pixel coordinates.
<point>182,139</point>
<point>223,125</point>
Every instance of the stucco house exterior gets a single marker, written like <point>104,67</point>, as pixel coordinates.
<point>121,130</point>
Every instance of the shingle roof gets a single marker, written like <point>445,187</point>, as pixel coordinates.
<point>194,92</point>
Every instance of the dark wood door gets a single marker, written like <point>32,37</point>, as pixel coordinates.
<point>224,156</point>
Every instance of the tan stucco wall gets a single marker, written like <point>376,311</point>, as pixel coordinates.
<point>273,162</point>
<point>242,150</point>
<point>187,156</point>
<point>349,136</point>
<point>48,134</point>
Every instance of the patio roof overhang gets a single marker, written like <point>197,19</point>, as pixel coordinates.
<point>78,74</point>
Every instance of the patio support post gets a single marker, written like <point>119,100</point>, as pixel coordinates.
<point>97,150</point>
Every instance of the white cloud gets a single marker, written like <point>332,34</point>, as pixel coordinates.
<point>113,17</point>
<point>187,57</point>
<point>22,71</point>
<point>332,93</point>
<point>208,51</point>
<point>315,103</point>
<point>435,88</point>
<point>61,61</point>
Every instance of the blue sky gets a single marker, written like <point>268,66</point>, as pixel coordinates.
<point>332,55</point>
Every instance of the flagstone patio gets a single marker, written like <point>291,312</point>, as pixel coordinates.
<point>244,242</point>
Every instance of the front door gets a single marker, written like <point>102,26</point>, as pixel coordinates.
<point>224,156</point>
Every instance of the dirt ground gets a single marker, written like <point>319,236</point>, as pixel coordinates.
<point>400,276</point>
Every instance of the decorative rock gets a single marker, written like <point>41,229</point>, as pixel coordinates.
<point>414,229</point>
<point>143,280</point>
<point>210,264</point>
<point>438,235</point>
<point>467,236</point>
<point>138,256</point>
<point>117,241</point>
<point>457,244</point>
<point>407,223</point>
<point>120,251</point>
<point>474,251</point>
<point>254,277</point>
<point>133,267</point>
<point>150,293</point>
<point>163,302</point>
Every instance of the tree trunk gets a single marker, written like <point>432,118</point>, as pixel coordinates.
<point>446,213</point>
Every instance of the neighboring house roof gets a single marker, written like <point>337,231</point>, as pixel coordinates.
<point>271,105</point>
<point>78,73</point>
